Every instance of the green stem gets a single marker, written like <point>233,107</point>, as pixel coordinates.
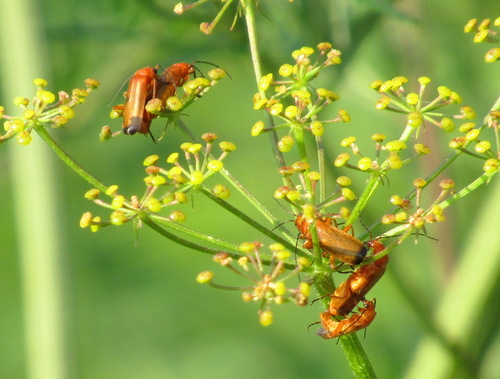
<point>483,179</point>
<point>322,169</point>
<point>194,233</point>
<point>356,356</point>
<point>153,224</point>
<point>371,186</point>
<point>252,222</point>
<point>181,241</point>
<point>70,162</point>
<point>249,10</point>
<point>250,198</point>
<point>353,350</point>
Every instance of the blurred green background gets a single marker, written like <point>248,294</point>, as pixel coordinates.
<point>131,307</point>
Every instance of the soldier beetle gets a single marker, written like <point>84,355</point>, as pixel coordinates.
<point>142,87</point>
<point>332,240</point>
<point>145,85</point>
<point>177,74</point>
<point>360,320</point>
<point>349,294</point>
<point>354,289</point>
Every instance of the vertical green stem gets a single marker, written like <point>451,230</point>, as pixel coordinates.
<point>254,52</point>
<point>35,202</point>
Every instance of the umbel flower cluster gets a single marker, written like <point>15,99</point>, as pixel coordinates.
<point>43,110</point>
<point>166,187</point>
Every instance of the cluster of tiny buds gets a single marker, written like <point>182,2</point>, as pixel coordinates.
<point>165,187</point>
<point>417,110</point>
<point>420,217</point>
<point>293,102</point>
<point>43,110</point>
<point>482,147</point>
<point>299,195</point>
<point>485,34</point>
<point>392,149</point>
<point>267,288</point>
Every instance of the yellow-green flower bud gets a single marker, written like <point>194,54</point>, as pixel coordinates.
<point>257,128</point>
<point>395,162</point>
<point>344,181</point>
<point>286,70</point>
<point>24,137</point>
<point>286,143</point>
<point>447,184</point>
<point>247,247</point>
<point>468,112</point>
<point>375,84</point>
<point>490,166</point>
<point>395,145</point>
<point>482,147</point>
<point>215,165</point>
<point>414,119</point>
<point>344,115</point>
<point>195,148</point>
<point>317,128</point>
<point>46,96</point>
<point>444,92</point>
<point>341,159</point>
<point>221,191</point>
<point>66,111</point>
<point>472,135</point>
<point>265,81</point>
<point>150,160</point>
<point>419,183</point>
<point>492,55</point>
<point>291,111</point>
<point>177,216</point>
<point>346,142</point>
<point>196,177</point>
<point>86,220</point>
<point>92,194</point>
<point>276,109</point>
<point>447,124</point>
<point>293,195</point>
<point>424,80</point>
<point>314,176</point>
<point>205,277</point>
<point>173,103</point>
<point>470,26</point>
<point>118,218</point>
<point>157,180</point>
<point>383,102</point>
<point>266,318</point>
<point>348,194</point>
<point>112,190</point>
<point>364,163</point>
<point>458,142</point>
<point>227,146</point>
<point>421,149</point>
<point>412,98</point>
<point>117,201</point>
<point>40,82</point>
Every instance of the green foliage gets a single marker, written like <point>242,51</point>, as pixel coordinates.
<point>337,160</point>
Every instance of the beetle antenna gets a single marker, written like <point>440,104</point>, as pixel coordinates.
<point>211,64</point>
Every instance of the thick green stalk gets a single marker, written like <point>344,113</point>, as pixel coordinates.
<point>36,198</point>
